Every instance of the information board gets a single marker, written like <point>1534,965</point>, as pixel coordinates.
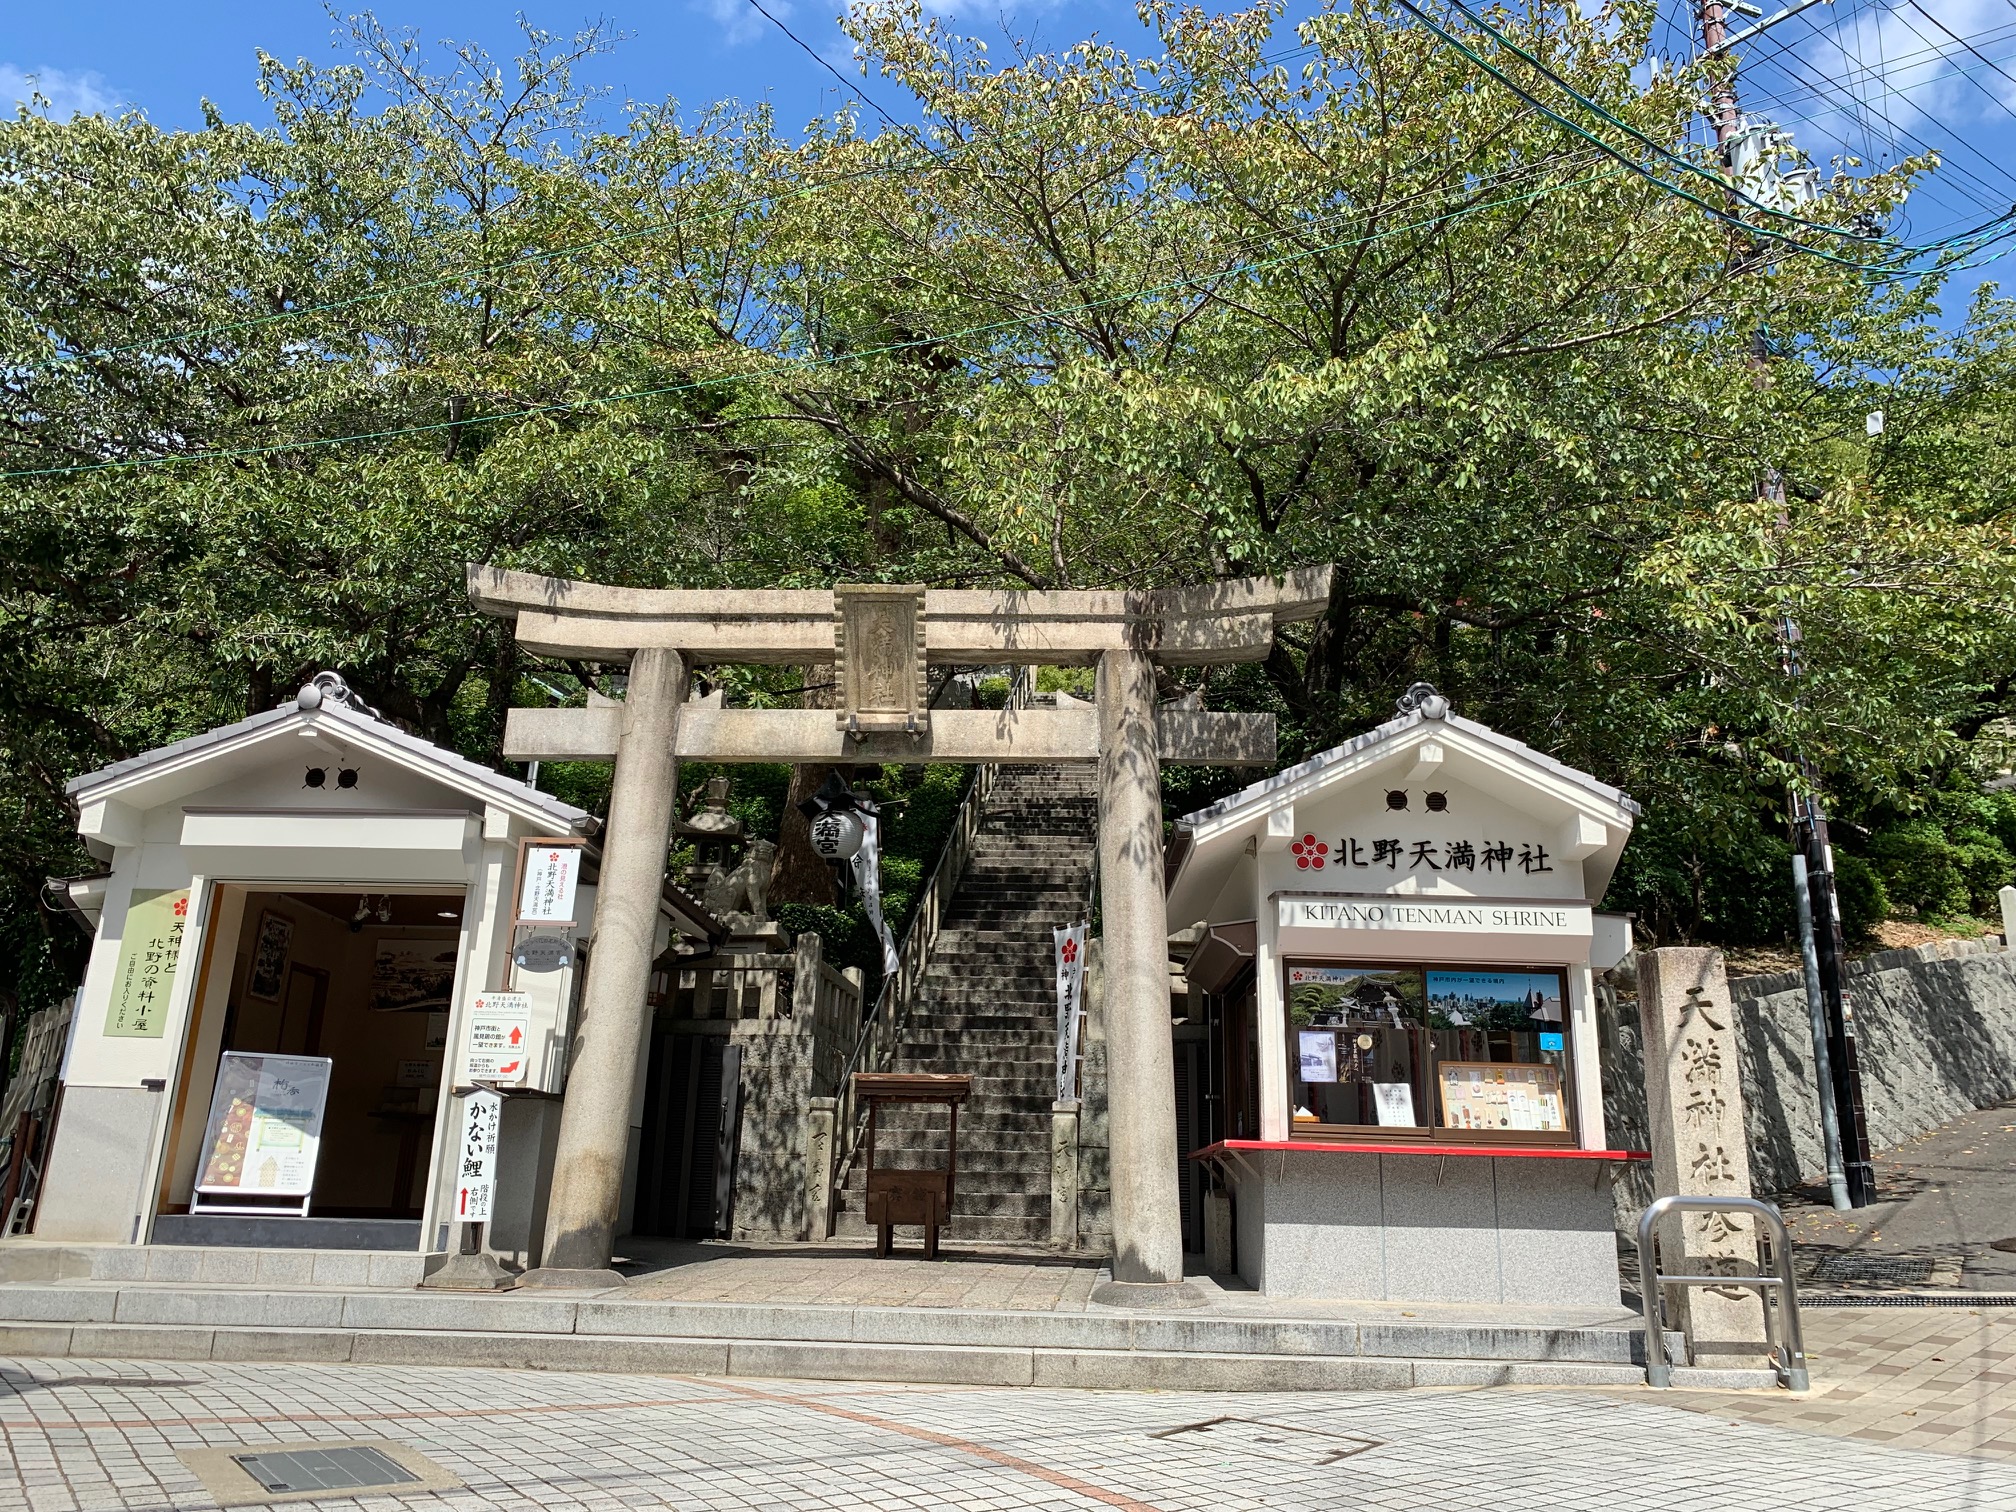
<point>500,1032</point>
<point>1494,1095</point>
<point>265,1130</point>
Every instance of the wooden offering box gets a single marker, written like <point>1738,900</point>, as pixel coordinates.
<point>901,1196</point>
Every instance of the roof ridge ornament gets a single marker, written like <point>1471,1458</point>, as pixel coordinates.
<point>329,687</point>
<point>1423,698</point>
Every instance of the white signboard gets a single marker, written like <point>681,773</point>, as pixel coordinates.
<point>476,1173</point>
<point>1454,917</point>
<point>500,1035</point>
<point>1395,1101</point>
<point>265,1128</point>
<point>546,895</point>
<point>1070,947</point>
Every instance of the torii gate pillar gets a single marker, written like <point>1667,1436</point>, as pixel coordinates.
<point>1134,947</point>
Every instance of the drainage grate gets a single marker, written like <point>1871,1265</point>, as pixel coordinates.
<point>1890,1270</point>
<point>1275,1441</point>
<point>1955,1299</point>
<point>350,1469</point>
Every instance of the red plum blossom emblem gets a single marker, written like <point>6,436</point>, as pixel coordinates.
<point>1309,853</point>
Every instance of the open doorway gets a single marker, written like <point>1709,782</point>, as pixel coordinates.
<point>363,979</point>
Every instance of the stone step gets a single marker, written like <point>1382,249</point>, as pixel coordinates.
<point>1102,1348</point>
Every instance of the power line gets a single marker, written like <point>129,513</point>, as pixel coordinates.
<point>1752,229</point>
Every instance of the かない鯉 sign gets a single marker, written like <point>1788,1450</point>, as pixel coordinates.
<point>500,1035</point>
<point>148,953</point>
<point>476,1172</point>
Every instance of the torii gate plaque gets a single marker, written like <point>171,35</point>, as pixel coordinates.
<point>883,636</point>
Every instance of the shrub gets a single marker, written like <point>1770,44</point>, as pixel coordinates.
<point>1859,889</point>
<point>1920,868</point>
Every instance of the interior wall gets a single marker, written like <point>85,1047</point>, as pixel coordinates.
<point>372,1052</point>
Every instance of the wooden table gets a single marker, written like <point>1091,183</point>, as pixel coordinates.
<point>905,1196</point>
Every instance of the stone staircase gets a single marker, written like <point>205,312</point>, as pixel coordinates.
<point>989,1008</point>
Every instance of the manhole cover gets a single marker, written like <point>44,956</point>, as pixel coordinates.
<point>244,1475</point>
<point>1276,1441</point>
<point>350,1469</point>
<point>1890,1270</point>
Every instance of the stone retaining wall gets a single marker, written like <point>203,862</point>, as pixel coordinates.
<point>1936,1034</point>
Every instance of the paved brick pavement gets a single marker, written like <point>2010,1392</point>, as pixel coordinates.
<point>1941,1378</point>
<point>85,1437</point>
<point>847,1274</point>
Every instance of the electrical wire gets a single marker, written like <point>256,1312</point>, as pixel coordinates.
<point>1889,269</point>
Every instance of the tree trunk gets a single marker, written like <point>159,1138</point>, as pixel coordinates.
<point>801,875</point>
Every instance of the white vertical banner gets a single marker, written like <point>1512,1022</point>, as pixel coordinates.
<point>867,864</point>
<point>476,1173</point>
<point>1070,947</point>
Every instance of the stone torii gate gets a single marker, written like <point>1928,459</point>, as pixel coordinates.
<point>882,636</point>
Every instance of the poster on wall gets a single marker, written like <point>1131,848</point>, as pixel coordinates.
<point>1317,1055</point>
<point>265,1129</point>
<point>148,953</point>
<point>1496,1096</point>
<point>270,948</point>
<point>1525,1001</point>
<point>414,976</point>
<point>546,891</point>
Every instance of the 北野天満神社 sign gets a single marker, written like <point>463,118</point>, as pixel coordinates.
<point>1451,916</point>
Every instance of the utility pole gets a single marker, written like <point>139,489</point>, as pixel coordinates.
<point>1844,1127</point>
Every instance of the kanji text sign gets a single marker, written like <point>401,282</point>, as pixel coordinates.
<point>476,1171</point>
<point>148,953</point>
<point>500,1035</point>
<point>546,893</point>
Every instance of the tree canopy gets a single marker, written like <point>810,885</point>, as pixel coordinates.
<point>1515,361</point>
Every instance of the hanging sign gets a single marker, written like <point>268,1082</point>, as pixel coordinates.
<point>542,953</point>
<point>1070,948</point>
<point>265,1129</point>
<point>867,864</point>
<point>148,953</point>
<point>500,1034</point>
<point>476,1172</point>
<point>546,890</point>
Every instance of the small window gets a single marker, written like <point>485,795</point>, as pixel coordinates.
<point>1434,1051</point>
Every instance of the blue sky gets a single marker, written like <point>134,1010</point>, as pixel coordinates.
<point>1875,79</point>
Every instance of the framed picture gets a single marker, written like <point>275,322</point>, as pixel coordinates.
<point>414,976</point>
<point>270,949</point>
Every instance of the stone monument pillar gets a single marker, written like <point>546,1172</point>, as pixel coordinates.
<point>1694,1097</point>
<point>1134,930</point>
<point>595,1118</point>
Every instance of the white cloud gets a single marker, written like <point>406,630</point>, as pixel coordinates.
<point>1901,60</point>
<point>84,92</point>
<point>740,21</point>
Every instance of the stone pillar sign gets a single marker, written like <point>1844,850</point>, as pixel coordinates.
<point>1694,1096</point>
